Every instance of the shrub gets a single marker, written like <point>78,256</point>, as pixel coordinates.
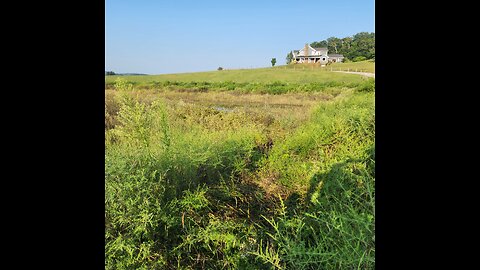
<point>359,58</point>
<point>367,86</point>
<point>123,85</point>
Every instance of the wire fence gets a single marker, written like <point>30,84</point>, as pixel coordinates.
<point>326,68</point>
<point>343,69</point>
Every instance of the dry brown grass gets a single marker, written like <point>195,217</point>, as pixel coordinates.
<point>288,110</point>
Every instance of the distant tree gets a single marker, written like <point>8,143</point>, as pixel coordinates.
<point>219,68</point>
<point>317,44</point>
<point>289,57</point>
<point>274,61</point>
<point>333,44</point>
<point>346,43</point>
<point>360,44</point>
<point>363,44</point>
<point>109,73</point>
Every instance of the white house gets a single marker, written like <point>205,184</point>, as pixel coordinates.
<point>315,55</point>
<point>335,57</point>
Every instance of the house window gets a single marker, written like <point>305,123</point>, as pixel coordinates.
<point>323,58</point>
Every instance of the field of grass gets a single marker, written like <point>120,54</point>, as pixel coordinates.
<point>285,74</point>
<point>362,66</point>
<point>257,173</point>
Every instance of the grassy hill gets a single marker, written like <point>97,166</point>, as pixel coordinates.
<point>287,74</point>
<point>362,66</point>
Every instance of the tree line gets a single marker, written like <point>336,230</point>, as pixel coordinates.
<point>358,47</point>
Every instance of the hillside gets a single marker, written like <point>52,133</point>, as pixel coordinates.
<point>361,66</point>
<point>287,74</point>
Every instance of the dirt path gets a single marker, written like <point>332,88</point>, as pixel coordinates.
<point>359,73</point>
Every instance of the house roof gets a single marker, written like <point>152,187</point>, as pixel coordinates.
<point>312,55</point>
<point>296,53</point>
<point>335,55</point>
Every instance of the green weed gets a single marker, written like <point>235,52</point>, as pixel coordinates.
<point>192,187</point>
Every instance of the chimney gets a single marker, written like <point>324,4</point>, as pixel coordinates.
<point>306,49</point>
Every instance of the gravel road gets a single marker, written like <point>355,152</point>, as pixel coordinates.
<point>359,73</point>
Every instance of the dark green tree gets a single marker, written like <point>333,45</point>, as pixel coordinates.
<point>274,61</point>
<point>345,44</point>
<point>359,45</point>
<point>333,44</point>
<point>319,44</point>
<point>363,44</point>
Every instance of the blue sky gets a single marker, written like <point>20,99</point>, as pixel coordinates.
<point>158,37</point>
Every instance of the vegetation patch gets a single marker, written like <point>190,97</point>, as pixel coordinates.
<point>284,179</point>
<point>273,88</point>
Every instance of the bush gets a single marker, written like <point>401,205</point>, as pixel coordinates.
<point>367,86</point>
<point>359,58</point>
<point>220,68</point>
<point>123,85</point>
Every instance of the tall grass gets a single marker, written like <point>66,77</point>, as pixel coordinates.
<point>275,88</point>
<point>184,186</point>
<point>329,162</point>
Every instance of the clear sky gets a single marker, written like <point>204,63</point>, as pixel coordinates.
<point>160,36</point>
